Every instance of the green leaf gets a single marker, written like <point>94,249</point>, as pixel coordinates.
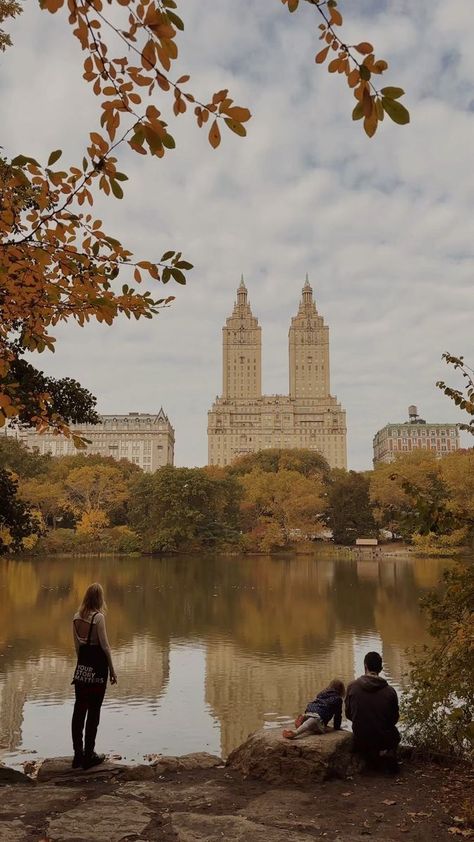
<point>167,255</point>
<point>358,111</point>
<point>55,156</point>
<point>364,72</point>
<point>236,127</point>
<point>396,111</point>
<point>21,160</point>
<point>168,141</point>
<point>178,275</point>
<point>116,189</point>
<point>120,176</point>
<point>176,20</point>
<point>392,93</point>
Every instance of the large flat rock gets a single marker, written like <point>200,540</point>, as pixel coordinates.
<point>269,756</point>
<point>181,796</point>
<point>57,768</point>
<point>16,801</point>
<point>284,808</point>
<point>104,819</point>
<point>54,768</point>
<point>185,763</point>
<point>196,827</point>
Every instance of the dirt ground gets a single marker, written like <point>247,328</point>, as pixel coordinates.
<point>424,802</point>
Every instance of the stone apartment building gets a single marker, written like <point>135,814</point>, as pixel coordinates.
<point>414,434</point>
<point>145,439</point>
<point>243,420</point>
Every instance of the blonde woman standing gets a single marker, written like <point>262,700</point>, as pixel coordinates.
<point>94,663</point>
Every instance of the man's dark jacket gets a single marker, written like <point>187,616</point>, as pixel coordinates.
<point>372,706</point>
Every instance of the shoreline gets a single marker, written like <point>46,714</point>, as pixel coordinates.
<point>318,551</point>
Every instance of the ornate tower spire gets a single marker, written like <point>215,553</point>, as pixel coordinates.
<point>307,291</point>
<point>242,292</point>
<point>309,350</point>
<point>242,351</point>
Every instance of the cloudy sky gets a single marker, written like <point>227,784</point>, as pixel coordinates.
<point>384,227</point>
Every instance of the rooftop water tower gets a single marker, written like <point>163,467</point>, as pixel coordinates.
<point>413,416</point>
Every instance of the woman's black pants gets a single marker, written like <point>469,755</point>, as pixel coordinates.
<point>87,707</point>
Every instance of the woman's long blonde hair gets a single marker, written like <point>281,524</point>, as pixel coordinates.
<point>93,600</point>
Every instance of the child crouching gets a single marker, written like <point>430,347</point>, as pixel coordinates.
<point>326,706</point>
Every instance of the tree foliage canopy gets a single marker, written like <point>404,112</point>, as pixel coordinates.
<point>349,513</point>
<point>58,261</point>
<point>306,462</point>
<point>439,704</point>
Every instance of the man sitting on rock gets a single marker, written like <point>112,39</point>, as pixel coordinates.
<point>372,706</point>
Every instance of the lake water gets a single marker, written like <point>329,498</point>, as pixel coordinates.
<point>206,650</point>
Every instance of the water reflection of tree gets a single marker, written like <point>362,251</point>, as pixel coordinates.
<point>271,605</point>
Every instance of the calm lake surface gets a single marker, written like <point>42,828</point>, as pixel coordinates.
<point>206,649</point>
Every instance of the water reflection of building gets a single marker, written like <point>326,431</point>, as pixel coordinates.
<point>242,687</point>
<point>142,667</point>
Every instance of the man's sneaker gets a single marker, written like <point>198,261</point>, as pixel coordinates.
<point>77,761</point>
<point>91,760</point>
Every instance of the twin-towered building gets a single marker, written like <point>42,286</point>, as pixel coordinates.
<point>243,420</point>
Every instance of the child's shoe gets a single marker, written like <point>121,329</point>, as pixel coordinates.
<point>289,735</point>
<point>299,720</point>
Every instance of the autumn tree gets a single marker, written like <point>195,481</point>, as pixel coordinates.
<point>349,513</point>
<point>177,508</point>
<point>409,495</point>
<point>438,708</point>
<point>358,66</point>
<point>19,527</point>
<point>47,497</point>
<point>287,505</point>
<point>272,459</point>
<point>457,472</point>
<point>439,705</point>
<point>92,492</point>
<point>57,260</point>
<point>464,397</point>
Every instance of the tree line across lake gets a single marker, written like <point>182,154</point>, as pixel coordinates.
<point>264,502</point>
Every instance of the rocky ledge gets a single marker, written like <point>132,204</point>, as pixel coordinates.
<point>198,798</point>
<point>59,768</point>
<point>269,756</point>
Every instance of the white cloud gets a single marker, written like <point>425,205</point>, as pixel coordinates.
<point>384,227</point>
